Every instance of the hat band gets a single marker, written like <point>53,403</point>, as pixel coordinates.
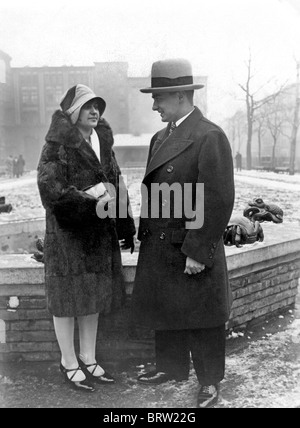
<point>161,82</point>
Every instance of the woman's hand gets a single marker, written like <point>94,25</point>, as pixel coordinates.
<point>192,267</point>
<point>128,243</point>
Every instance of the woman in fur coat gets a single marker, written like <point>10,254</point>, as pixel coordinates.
<point>83,268</point>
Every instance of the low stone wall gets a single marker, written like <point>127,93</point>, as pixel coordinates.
<point>20,236</point>
<point>264,278</point>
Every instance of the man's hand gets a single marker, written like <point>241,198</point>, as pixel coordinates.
<point>128,243</point>
<point>192,267</point>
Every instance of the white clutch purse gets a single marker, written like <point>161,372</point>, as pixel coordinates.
<point>97,191</point>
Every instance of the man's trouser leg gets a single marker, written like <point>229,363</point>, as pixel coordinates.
<point>173,353</point>
<point>207,346</point>
<point>208,354</point>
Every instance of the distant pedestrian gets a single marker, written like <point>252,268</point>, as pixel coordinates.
<point>238,161</point>
<point>15,167</point>
<point>20,165</point>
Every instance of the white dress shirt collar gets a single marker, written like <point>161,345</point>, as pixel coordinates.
<point>179,121</point>
<point>95,143</point>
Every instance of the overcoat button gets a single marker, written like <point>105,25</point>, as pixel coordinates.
<point>162,236</point>
<point>165,202</point>
<point>170,169</point>
<point>145,233</point>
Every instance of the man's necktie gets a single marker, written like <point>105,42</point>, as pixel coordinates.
<point>172,127</point>
<point>158,143</point>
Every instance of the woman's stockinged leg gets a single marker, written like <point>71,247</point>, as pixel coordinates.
<point>64,329</point>
<point>88,327</point>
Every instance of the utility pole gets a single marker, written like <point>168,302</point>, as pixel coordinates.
<point>295,125</point>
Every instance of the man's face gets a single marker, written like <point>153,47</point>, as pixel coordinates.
<point>167,105</point>
<point>89,115</point>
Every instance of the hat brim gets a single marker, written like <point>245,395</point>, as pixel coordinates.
<point>75,110</point>
<point>100,101</point>
<point>172,88</point>
<point>77,106</point>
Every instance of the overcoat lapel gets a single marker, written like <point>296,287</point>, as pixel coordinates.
<point>175,144</point>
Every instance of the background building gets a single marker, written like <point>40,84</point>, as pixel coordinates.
<point>31,95</point>
<point>6,104</point>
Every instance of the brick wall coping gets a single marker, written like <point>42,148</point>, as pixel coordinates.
<point>281,242</point>
<point>22,226</point>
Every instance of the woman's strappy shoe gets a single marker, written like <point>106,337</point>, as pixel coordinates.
<point>83,385</point>
<point>105,378</point>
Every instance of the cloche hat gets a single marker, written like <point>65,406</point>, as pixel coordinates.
<point>171,75</point>
<point>75,98</point>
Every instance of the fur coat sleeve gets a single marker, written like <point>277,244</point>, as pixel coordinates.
<point>69,204</point>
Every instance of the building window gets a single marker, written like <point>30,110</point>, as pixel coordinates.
<point>29,95</point>
<point>53,95</point>
<point>53,78</point>
<point>28,79</point>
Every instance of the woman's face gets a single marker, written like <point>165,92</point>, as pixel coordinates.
<point>89,115</point>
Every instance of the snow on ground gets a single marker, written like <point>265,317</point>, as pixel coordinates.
<point>264,374</point>
<point>23,195</point>
<point>268,175</point>
<point>280,189</point>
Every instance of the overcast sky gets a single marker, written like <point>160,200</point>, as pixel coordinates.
<point>215,35</point>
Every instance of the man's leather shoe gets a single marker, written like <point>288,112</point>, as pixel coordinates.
<point>208,396</point>
<point>155,378</point>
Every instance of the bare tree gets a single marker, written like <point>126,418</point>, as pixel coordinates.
<point>274,113</point>
<point>240,120</point>
<point>260,120</point>
<point>236,130</point>
<point>252,105</point>
<point>230,130</point>
<point>295,125</point>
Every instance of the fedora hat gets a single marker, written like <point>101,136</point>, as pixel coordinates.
<point>75,98</point>
<point>171,75</point>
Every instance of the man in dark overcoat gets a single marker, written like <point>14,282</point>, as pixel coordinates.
<point>181,288</point>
